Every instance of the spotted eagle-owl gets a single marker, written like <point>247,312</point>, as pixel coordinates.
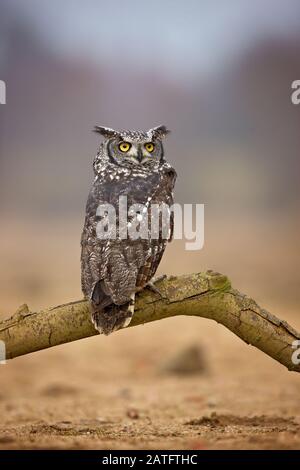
<point>131,164</point>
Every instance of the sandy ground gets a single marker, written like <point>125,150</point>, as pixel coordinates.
<point>113,392</point>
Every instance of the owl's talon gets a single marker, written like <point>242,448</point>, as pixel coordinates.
<point>151,286</point>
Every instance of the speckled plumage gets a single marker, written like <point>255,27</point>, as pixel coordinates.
<point>113,270</point>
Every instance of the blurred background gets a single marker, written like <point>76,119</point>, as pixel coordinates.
<point>219,75</point>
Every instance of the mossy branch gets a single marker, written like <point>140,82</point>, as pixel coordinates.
<point>207,295</point>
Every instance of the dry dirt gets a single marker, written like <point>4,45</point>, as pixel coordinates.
<point>115,393</point>
<point>111,393</point>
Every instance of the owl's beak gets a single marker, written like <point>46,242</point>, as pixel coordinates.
<point>140,155</point>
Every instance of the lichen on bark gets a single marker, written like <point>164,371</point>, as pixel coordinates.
<point>207,295</point>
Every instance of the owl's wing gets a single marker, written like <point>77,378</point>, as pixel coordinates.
<point>91,253</point>
<point>171,176</point>
<point>163,194</point>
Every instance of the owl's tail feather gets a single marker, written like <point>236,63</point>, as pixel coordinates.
<point>113,317</point>
<point>107,316</point>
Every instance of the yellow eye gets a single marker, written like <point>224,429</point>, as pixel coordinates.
<point>124,146</point>
<point>149,147</point>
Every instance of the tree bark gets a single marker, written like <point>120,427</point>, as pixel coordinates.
<point>207,295</point>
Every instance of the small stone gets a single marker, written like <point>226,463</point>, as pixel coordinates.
<point>187,362</point>
<point>133,413</point>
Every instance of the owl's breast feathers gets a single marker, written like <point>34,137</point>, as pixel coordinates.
<point>123,266</point>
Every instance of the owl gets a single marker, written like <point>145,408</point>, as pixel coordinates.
<point>131,165</point>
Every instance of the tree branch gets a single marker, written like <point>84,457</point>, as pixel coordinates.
<point>207,295</point>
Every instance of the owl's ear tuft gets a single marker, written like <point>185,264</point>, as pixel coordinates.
<point>159,132</point>
<point>105,131</point>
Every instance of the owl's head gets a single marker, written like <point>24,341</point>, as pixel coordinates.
<point>134,147</point>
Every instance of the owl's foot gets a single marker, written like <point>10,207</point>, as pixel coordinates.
<point>151,285</point>
<point>112,318</point>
